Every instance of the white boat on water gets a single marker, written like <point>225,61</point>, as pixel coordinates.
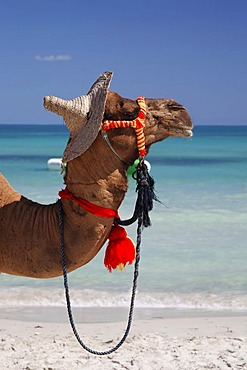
<point>54,164</point>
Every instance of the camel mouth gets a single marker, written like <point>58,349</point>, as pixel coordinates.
<point>185,132</point>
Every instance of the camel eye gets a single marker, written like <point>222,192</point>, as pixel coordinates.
<point>121,104</point>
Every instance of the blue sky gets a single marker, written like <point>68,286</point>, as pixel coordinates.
<point>194,51</point>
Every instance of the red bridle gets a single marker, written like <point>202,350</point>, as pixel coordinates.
<point>137,124</point>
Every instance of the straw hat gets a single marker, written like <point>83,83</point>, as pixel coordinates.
<point>83,115</point>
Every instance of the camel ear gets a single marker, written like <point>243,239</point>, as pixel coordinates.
<point>83,115</point>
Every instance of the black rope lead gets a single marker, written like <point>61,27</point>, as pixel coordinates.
<point>67,294</point>
<point>144,204</point>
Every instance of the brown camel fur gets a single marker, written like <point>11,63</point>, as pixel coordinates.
<point>29,235</point>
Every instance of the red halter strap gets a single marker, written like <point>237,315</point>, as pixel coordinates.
<point>120,249</point>
<point>137,124</point>
<point>88,206</point>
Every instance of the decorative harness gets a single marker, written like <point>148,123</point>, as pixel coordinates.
<point>137,124</point>
<point>121,249</point>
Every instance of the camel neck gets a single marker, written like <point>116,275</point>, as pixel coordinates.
<point>98,177</point>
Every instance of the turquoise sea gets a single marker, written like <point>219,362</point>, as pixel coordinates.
<point>193,257</point>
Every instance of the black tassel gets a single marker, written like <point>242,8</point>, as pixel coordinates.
<point>146,194</point>
<point>145,197</point>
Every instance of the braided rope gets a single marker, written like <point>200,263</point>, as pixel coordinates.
<point>67,293</point>
<point>137,124</point>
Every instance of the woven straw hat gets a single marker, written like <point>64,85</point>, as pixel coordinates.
<point>83,115</point>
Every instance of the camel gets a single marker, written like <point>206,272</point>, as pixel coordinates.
<point>96,170</point>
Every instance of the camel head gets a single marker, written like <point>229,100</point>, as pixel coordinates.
<point>164,118</point>
<point>85,115</point>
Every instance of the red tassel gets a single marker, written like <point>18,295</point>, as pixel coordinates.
<point>120,250</point>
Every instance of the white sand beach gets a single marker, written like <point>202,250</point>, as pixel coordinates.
<point>181,343</point>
